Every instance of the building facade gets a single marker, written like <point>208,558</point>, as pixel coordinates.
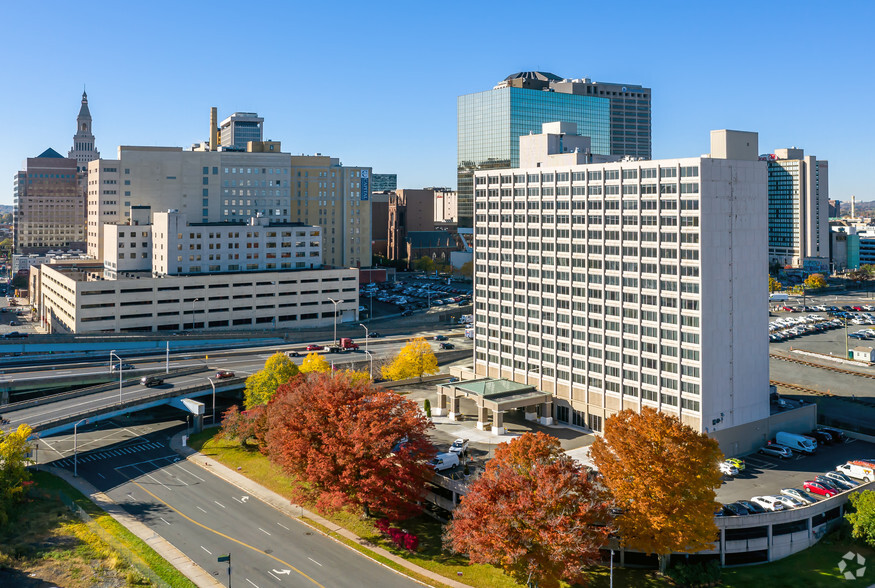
<point>446,205</point>
<point>409,210</point>
<point>49,207</point>
<point>616,117</point>
<point>629,284</point>
<point>84,149</point>
<point>798,210</point>
<point>238,129</point>
<point>383,182</point>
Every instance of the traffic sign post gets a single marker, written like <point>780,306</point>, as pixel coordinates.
<point>226,558</point>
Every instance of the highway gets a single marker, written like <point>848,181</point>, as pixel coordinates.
<point>205,517</point>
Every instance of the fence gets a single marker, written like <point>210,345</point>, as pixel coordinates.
<point>131,558</point>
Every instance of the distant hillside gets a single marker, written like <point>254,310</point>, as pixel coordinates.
<point>861,208</point>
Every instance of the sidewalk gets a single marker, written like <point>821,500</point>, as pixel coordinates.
<point>296,511</point>
<point>162,547</point>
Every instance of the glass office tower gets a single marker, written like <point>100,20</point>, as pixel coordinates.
<point>616,117</point>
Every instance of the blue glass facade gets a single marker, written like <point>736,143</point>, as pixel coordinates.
<point>490,124</point>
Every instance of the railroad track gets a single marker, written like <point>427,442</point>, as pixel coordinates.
<point>822,367</point>
<point>799,388</point>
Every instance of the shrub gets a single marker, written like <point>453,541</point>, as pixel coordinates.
<point>697,574</point>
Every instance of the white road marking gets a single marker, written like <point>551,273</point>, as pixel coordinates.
<point>101,475</point>
<point>265,532</point>
<point>157,482</point>
<point>283,526</point>
<point>163,519</point>
<point>274,575</point>
<point>219,503</point>
<point>191,474</point>
<point>200,509</point>
<point>315,562</point>
<point>207,550</point>
<point>237,499</point>
<point>251,582</point>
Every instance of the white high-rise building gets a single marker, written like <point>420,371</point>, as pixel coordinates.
<point>627,284</point>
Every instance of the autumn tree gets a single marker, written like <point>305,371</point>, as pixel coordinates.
<point>534,513</point>
<point>815,281</point>
<point>774,285</point>
<point>262,385</point>
<point>338,434</point>
<point>663,477</point>
<point>315,363</point>
<point>248,427</point>
<point>862,516</point>
<point>467,269</point>
<point>414,360</point>
<point>14,459</point>
<point>425,264</point>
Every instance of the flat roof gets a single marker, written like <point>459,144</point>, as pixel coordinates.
<point>489,388</point>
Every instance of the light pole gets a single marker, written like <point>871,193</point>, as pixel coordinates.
<point>366,336</point>
<point>120,370</point>
<point>193,323</point>
<point>371,357</point>
<point>213,384</point>
<point>846,337</point>
<point>76,448</point>
<point>335,302</point>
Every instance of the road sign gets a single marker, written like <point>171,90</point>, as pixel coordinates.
<point>224,558</point>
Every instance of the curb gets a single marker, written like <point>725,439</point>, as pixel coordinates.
<point>298,512</point>
<point>162,547</point>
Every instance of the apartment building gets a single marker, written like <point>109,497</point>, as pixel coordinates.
<point>799,210</point>
<point>173,275</point>
<point>627,284</point>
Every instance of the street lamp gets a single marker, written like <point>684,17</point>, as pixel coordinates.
<point>193,323</point>
<point>213,384</point>
<point>120,370</point>
<point>366,336</point>
<point>335,302</point>
<point>76,448</point>
<point>371,357</point>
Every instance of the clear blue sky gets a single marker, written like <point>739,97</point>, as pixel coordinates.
<point>376,83</point>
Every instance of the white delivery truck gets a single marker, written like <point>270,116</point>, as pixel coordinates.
<point>445,461</point>
<point>778,297</point>
<point>799,443</point>
<point>858,471</point>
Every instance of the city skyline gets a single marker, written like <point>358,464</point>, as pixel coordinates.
<point>361,94</point>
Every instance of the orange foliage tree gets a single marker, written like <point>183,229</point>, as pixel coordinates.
<point>534,513</point>
<point>663,477</point>
<point>338,433</point>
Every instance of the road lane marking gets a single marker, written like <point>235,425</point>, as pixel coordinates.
<point>283,526</point>
<point>207,550</point>
<point>265,532</point>
<point>251,582</point>
<point>315,562</point>
<point>163,519</point>
<point>237,541</point>
<point>191,474</point>
<point>101,475</point>
<point>202,510</point>
<point>274,575</point>
<point>219,503</point>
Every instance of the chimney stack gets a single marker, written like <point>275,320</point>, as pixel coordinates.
<point>214,128</point>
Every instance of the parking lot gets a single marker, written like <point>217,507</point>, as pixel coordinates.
<point>15,318</point>
<point>765,475</point>
<point>413,294</point>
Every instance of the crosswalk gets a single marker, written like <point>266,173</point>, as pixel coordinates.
<point>117,452</point>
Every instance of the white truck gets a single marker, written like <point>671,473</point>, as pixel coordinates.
<point>799,443</point>
<point>778,297</point>
<point>857,471</point>
<point>445,461</point>
<point>466,319</point>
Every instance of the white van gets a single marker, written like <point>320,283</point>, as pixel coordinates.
<point>857,471</point>
<point>796,442</point>
<point>445,461</point>
<point>778,297</point>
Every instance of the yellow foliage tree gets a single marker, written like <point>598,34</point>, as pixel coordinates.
<point>358,377</point>
<point>415,360</point>
<point>815,281</point>
<point>314,362</point>
<point>13,469</point>
<point>663,477</point>
<point>261,386</point>
<point>774,285</point>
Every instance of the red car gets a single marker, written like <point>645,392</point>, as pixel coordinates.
<point>818,488</point>
<point>858,308</point>
<point>222,374</point>
<point>314,347</point>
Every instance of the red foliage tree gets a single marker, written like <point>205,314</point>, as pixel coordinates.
<point>339,435</point>
<point>247,426</point>
<point>534,512</point>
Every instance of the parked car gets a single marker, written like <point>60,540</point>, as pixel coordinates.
<point>770,503</point>
<point>790,502</point>
<point>799,495</point>
<point>737,462</point>
<point>838,485</point>
<point>407,313</point>
<point>149,381</point>
<point>728,469</point>
<point>736,509</point>
<point>858,471</point>
<point>839,476</point>
<point>818,488</point>
<point>776,450</point>
<point>836,434</point>
<point>222,374</point>
<point>752,507</point>
<point>459,446</point>
<point>315,347</point>
<point>440,337</point>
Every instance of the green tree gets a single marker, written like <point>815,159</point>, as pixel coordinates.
<point>467,269</point>
<point>415,360</point>
<point>774,285</point>
<point>862,517</point>
<point>426,408</point>
<point>815,281</point>
<point>14,459</point>
<point>315,363</point>
<point>425,264</point>
<point>262,385</point>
